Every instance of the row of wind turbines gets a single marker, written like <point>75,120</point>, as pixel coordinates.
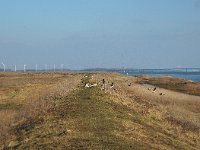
<point>36,67</point>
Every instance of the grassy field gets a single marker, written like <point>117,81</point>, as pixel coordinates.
<point>22,95</point>
<point>59,111</point>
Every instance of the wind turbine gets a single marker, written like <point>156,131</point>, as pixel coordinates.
<point>4,67</point>
<point>36,68</point>
<point>15,68</point>
<point>61,67</point>
<point>24,67</point>
<point>46,67</point>
<point>54,68</point>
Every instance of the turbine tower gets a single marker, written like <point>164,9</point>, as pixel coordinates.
<point>62,67</point>
<point>46,67</point>
<point>15,68</point>
<point>24,67</point>
<point>36,68</point>
<point>54,68</point>
<point>4,67</point>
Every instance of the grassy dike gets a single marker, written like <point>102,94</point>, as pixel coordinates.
<point>82,120</point>
<point>88,118</point>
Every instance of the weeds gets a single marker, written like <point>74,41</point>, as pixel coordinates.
<point>185,124</point>
<point>38,91</point>
<point>7,118</point>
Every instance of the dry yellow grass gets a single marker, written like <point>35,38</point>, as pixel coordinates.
<point>27,95</point>
<point>176,113</point>
<point>58,111</point>
<point>7,118</point>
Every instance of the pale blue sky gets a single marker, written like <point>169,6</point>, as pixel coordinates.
<point>101,33</point>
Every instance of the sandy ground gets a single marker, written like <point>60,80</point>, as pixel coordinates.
<point>146,91</point>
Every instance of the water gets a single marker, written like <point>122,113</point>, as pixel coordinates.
<point>194,76</point>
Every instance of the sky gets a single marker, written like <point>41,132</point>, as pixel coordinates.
<point>100,33</point>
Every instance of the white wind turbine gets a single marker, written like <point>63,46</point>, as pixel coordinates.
<point>24,67</point>
<point>15,68</point>
<point>36,68</point>
<point>54,68</point>
<point>4,67</point>
<point>46,67</point>
<point>62,67</point>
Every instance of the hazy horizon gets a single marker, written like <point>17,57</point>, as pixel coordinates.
<point>100,34</point>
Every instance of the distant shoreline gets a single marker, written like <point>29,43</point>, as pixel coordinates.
<point>183,73</point>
